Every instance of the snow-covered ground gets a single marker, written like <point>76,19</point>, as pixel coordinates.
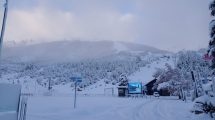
<point>145,74</point>
<point>101,88</point>
<point>107,108</point>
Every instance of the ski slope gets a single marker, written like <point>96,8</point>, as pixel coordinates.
<point>107,108</point>
<point>145,74</point>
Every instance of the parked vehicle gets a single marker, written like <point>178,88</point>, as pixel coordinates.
<point>156,94</point>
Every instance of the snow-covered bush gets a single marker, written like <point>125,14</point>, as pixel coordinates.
<point>204,105</point>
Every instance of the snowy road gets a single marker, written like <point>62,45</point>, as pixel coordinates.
<point>107,108</point>
<point>164,110</point>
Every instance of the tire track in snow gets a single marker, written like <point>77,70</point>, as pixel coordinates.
<point>125,111</point>
<point>161,110</point>
<point>137,114</point>
<point>162,114</point>
<point>150,111</point>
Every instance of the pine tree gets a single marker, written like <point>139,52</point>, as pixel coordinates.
<point>205,104</point>
<point>211,50</point>
<point>212,35</point>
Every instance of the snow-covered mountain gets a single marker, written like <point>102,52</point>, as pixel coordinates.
<point>100,63</point>
<point>64,51</point>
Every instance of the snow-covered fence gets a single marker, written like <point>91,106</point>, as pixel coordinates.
<point>109,91</point>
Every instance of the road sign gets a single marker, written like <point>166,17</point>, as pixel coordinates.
<point>76,80</point>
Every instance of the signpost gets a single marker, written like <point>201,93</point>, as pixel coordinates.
<point>76,80</point>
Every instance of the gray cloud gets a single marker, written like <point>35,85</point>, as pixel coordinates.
<point>166,24</point>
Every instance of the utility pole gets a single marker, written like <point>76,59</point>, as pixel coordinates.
<point>75,95</point>
<point>3,25</point>
<point>3,29</point>
<point>49,84</point>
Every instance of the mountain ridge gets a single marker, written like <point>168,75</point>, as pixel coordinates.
<point>76,50</point>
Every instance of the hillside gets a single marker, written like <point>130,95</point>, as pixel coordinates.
<point>65,51</point>
<point>99,63</point>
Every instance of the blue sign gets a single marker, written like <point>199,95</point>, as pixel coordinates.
<point>134,88</point>
<point>76,79</point>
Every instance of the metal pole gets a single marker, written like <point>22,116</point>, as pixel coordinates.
<point>49,87</point>
<point>3,26</point>
<point>75,95</point>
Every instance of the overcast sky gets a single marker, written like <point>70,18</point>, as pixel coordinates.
<point>165,24</point>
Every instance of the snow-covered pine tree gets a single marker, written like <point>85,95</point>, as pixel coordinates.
<point>211,50</point>
<point>205,104</point>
